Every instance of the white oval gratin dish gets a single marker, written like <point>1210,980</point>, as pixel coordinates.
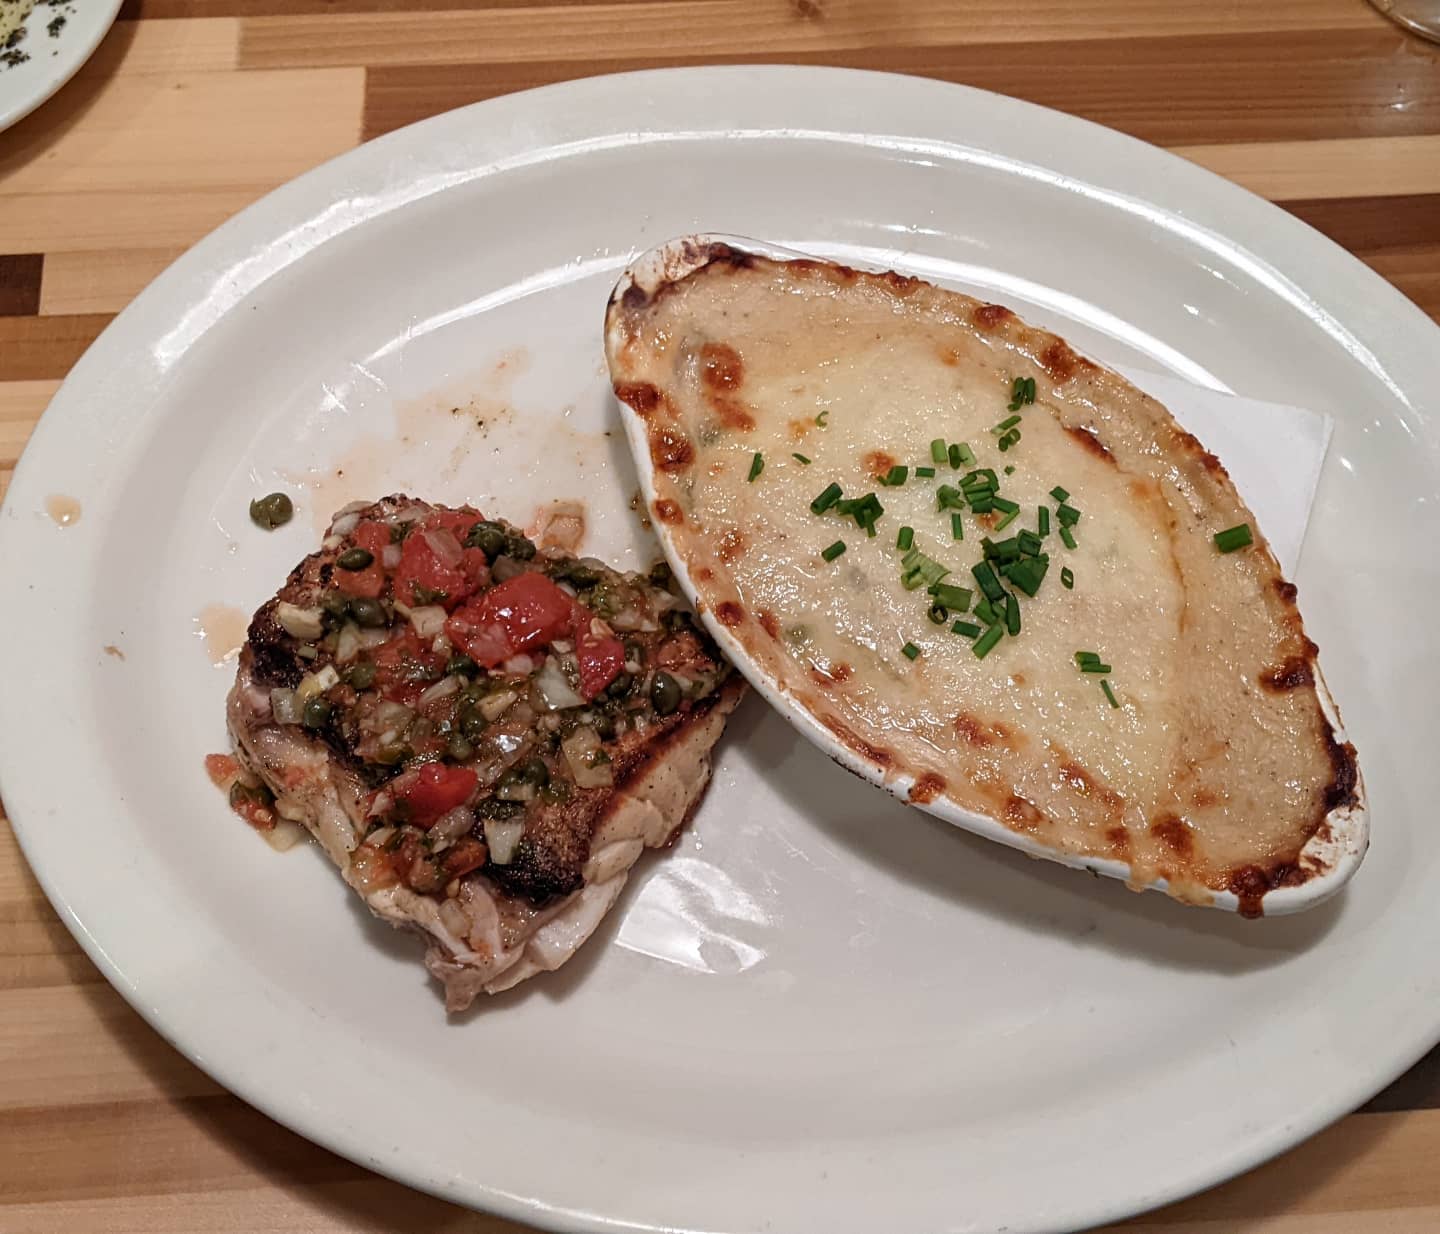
<point>1333,853</point>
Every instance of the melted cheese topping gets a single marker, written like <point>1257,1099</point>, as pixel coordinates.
<point>1208,770</point>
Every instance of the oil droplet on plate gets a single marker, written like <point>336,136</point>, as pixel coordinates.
<point>222,628</point>
<point>64,510</point>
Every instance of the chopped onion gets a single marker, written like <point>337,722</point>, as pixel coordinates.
<point>587,760</point>
<point>284,835</point>
<point>347,646</point>
<point>443,688</point>
<point>503,838</point>
<point>634,618</point>
<point>504,568</point>
<point>519,666</point>
<point>493,706</point>
<point>327,678</point>
<point>390,556</point>
<point>428,620</point>
<point>283,707</point>
<point>374,638</point>
<point>345,522</point>
<point>302,623</point>
<point>453,825</point>
<point>554,689</point>
<point>445,546</point>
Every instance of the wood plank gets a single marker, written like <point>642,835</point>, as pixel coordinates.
<point>20,284</point>
<point>158,160</point>
<point>1348,167</point>
<point>1194,89</point>
<point>201,45</point>
<point>44,348</point>
<point>153,11</point>
<point>102,281</point>
<point>21,403</point>
<point>654,30</point>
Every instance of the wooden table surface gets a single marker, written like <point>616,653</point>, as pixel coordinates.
<point>191,109</point>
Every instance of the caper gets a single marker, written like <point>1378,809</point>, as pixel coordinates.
<point>460,664</point>
<point>272,511</point>
<point>355,559</point>
<point>335,603</point>
<point>577,574</point>
<point>939,614</point>
<point>317,712</point>
<point>368,612</point>
<point>499,809</point>
<point>488,537</point>
<point>535,772</point>
<point>660,574</point>
<point>634,653</point>
<point>428,595</point>
<point>664,694</point>
<point>458,749</point>
<point>605,726</point>
<point>520,548</point>
<point>473,724</point>
<point>620,687</point>
<point>360,675</point>
<point>391,753</point>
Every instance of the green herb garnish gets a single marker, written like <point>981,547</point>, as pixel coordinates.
<point>1233,538</point>
<point>801,458</point>
<point>833,551</point>
<point>757,465</point>
<point>910,651</point>
<point>826,499</point>
<point>985,644</point>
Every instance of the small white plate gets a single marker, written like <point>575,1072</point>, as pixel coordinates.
<point>820,1010</point>
<point>52,59</point>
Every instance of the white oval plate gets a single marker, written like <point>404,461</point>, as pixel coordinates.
<point>53,59</point>
<point>820,1010</point>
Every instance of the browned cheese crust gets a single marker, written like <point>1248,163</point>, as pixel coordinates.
<point>1219,765</point>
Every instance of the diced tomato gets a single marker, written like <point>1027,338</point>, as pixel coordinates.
<point>370,581</point>
<point>520,614</point>
<point>457,521</point>
<point>601,655</point>
<point>406,666</point>
<point>436,790</point>
<point>421,566</point>
<point>679,651</point>
<point>223,771</point>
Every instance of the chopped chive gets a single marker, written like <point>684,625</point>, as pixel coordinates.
<point>905,539</point>
<point>983,646</point>
<point>949,497</point>
<point>910,651</point>
<point>1067,515</point>
<point>1059,494</point>
<point>833,551</point>
<point>1082,656</point>
<point>757,465</point>
<point>1001,550</point>
<point>938,613</point>
<point>1007,520</point>
<point>896,476</point>
<point>1231,538</point>
<point>957,526</point>
<point>986,612</point>
<point>1109,693</point>
<point>1030,543</point>
<point>1006,424</point>
<point>1044,521</point>
<point>822,417</point>
<point>1012,615</point>
<point>1029,389</point>
<point>801,458</point>
<point>826,499</point>
<point>1012,438</point>
<point>967,455</point>
<point>1068,537</point>
<point>1010,469</point>
<point>989,584</point>
<point>1028,573</point>
<point>951,596</point>
<point>925,473</point>
<point>968,628</point>
<point>957,459</point>
<point>1067,578</point>
<point>938,452</point>
<point>1004,503</point>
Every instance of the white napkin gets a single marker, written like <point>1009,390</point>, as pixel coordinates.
<point>1273,452</point>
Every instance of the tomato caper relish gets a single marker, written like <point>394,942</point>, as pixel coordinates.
<point>490,694</point>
